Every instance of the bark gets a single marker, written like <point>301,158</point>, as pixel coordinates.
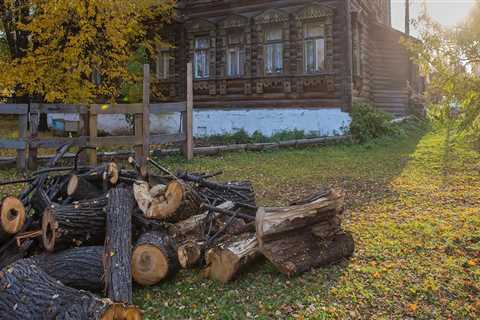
<point>78,224</point>
<point>225,260</point>
<point>29,293</point>
<point>301,251</point>
<point>271,223</point>
<point>79,268</point>
<point>118,245</point>
<point>190,254</point>
<point>79,188</point>
<point>154,258</point>
<point>241,193</point>
<point>12,218</point>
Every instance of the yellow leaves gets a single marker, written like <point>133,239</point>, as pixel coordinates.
<point>472,263</point>
<point>412,308</point>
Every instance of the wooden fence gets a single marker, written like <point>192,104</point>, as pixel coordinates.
<point>28,141</point>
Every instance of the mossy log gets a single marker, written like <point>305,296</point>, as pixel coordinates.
<point>79,268</point>
<point>118,245</point>
<point>12,217</point>
<point>27,292</point>
<point>154,258</point>
<point>225,260</point>
<point>77,224</point>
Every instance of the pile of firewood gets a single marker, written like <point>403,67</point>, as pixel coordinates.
<point>75,234</point>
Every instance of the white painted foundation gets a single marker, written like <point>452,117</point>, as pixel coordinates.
<point>207,122</point>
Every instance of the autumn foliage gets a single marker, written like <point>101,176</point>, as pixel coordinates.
<point>76,51</point>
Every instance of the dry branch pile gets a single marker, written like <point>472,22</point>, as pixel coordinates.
<point>103,228</point>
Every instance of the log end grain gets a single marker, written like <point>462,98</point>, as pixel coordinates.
<point>12,215</point>
<point>72,185</point>
<point>166,206</point>
<point>112,173</point>
<point>189,254</point>
<point>149,265</point>
<point>49,230</point>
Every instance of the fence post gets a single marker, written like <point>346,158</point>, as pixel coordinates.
<point>188,117</point>
<point>93,135</point>
<point>32,150</point>
<point>22,135</point>
<point>85,132</point>
<point>146,111</point>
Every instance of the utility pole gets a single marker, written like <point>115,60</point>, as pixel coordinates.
<point>407,17</point>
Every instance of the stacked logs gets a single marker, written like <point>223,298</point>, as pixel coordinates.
<point>87,232</point>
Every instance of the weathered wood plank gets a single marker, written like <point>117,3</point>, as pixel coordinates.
<point>188,115</point>
<point>57,142</point>
<point>166,138</point>
<point>22,134</point>
<point>118,141</point>
<point>13,144</point>
<point>156,108</point>
<point>93,134</point>
<point>13,108</point>
<point>133,108</point>
<point>146,113</point>
<point>58,108</point>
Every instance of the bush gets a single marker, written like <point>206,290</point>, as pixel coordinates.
<point>369,123</point>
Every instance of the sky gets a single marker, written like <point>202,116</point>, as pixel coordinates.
<point>447,12</point>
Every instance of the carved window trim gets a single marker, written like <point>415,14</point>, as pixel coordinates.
<point>234,24</point>
<point>202,28</point>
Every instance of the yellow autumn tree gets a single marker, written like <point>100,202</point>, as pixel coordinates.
<point>76,51</point>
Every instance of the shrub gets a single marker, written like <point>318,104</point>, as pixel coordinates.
<point>369,123</point>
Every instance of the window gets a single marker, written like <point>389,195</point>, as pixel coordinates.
<point>314,53</point>
<point>163,65</point>
<point>356,50</point>
<point>235,57</point>
<point>273,50</point>
<point>202,44</point>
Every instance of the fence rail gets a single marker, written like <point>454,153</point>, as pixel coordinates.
<point>28,141</point>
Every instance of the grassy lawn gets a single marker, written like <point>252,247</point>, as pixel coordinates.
<point>413,208</point>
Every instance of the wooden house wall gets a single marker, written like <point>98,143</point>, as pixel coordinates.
<point>292,88</point>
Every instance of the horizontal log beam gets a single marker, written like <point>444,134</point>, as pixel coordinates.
<point>168,107</point>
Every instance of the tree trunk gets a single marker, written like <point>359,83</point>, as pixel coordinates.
<point>225,260</point>
<point>29,293</point>
<point>301,251</point>
<point>79,268</point>
<point>154,258</point>
<point>272,222</point>
<point>12,218</point>
<point>118,245</point>
<point>178,203</point>
<point>79,188</point>
<point>77,224</point>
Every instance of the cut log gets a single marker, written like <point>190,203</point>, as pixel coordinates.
<point>29,293</point>
<point>225,260</point>
<point>301,251</point>
<point>189,254</point>
<point>118,245</point>
<point>13,253</point>
<point>12,217</point>
<point>179,203</point>
<point>154,258</point>
<point>79,188</point>
<point>272,222</point>
<point>141,191</point>
<point>327,229</point>
<point>77,224</point>
<point>79,268</point>
<point>111,174</point>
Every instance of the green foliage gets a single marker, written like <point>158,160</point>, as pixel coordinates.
<point>242,137</point>
<point>450,59</point>
<point>369,123</point>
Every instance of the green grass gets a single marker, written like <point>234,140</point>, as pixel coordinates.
<point>413,208</point>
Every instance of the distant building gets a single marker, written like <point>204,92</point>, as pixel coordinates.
<point>287,54</point>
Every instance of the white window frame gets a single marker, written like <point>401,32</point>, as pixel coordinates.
<point>201,58</point>
<point>274,54</point>
<point>317,62</point>
<point>235,60</point>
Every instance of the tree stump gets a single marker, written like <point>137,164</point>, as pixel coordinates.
<point>29,293</point>
<point>118,245</point>
<point>225,260</point>
<point>12,217</point>
<point>154,258</point>
<point>77,224</point>
<point>178,203</point>
<point>79,268</point>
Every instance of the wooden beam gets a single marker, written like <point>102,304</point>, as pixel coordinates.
<point>133,108</point>
<point>146,113</point>
<point>348,55</point>
<point>93,134</point>
<point>57,142</point>
<point>13,144</point>
<point>167,138</point>
<point>188,116</point>
<point>112,141</point>
<point>168,107</point>
<point>13,109</point>
<point>22,134</point>
<point>58,108</point>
